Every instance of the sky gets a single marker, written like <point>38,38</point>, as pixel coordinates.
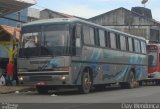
<point>91,8</point>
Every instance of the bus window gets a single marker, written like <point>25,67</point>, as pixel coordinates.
<point>123,43</point>
<point>88,34</point>
<point>127,43</point>
<point>102,38</point>
<point>152,59</point>
<point>137,46</point>
<point>91,34</point>
<point>113,40</point>
<point>143,47</point>
<point>96,38</point>
<point>30,40</point>
<point>107,39</point>
<point>133,47</point>
<point>118,41</point>
<point>78,36</point>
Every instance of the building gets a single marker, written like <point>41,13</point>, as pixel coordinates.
<point>15,19</point>
<point>48,14</point>
<point>138,22</point>
<point>14,12</point>
<point>33,14</point>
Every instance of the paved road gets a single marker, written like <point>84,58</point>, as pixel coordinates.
<point>147,94</point>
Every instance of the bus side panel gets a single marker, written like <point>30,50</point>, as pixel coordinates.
<point>108,66</point>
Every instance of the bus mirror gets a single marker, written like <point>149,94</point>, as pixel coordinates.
<point>78,42</point>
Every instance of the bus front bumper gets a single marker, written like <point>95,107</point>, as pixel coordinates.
<point>59,78</point>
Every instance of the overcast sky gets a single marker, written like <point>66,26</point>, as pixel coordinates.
<point>91,8</point>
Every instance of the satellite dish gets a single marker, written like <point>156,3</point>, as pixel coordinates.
<point>144,1</point>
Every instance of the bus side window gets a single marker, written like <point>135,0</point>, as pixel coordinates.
<point>137,46</point>
<point>102,38</point>
<point>96,37</point>
<point>130,42</point>
<point>127,44</point>
<point>107,39</point>
<point>86,37</point>
<point>118,46</point>
<point>123,42</point>
<point>91,36</point>
<point>133,45</point>
<point>113,40</point>
<point>143,47</point>
<point>78,35</point>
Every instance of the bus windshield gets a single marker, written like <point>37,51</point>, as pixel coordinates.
<point>44,40</point>
<point>152,59</point>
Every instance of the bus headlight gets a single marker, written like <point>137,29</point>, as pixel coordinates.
<point>63,78</point>
<point>21,79</point>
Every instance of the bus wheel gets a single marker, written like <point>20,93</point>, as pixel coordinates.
<point>86,83</point>
<point>42,89</point>
<point>131,82</point>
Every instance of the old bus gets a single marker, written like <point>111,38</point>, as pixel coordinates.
<point>75,53</point>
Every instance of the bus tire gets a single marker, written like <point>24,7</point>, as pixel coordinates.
<point>42,89</point>
<point>131,82</point>
<point>86,83</point>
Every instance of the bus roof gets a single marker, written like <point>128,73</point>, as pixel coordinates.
<point>71,20</point>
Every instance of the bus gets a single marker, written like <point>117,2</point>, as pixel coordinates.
<point>154,62</point>
<point>71,52</point>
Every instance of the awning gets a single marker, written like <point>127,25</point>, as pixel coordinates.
<point>11,6</point>
<point>6,32</point>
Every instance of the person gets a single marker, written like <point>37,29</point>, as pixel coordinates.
<point>10,71</point>
<point>30,43</point>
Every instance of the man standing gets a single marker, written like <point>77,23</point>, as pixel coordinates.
<point>10,70</point>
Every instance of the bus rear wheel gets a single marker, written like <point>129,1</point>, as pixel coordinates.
<point>131,82</point>
<point>86,83</point>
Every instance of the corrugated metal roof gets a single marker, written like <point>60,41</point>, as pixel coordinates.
<point>11,6</point>
<point>63,14</point>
